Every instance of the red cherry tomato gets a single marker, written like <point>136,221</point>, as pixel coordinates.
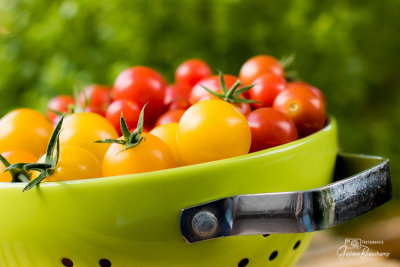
<point>96,97</point>
<point>311,87</point>
<point>269,128</point>
<point>192,71</point>
<point>305,107</point>
<point>141,85</point>
<point>257,66</point>
<point>212,83</point>
<point>170,117</point>
<point>177,96</point>
<point>61,104</point>
<point>266,88</point>
<point>244,108</point>
<point>129,109</point>
<point>97,110</point>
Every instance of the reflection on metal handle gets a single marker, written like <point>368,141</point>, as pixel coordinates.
<point>367,186</point>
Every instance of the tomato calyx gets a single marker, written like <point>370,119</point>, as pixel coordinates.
<point>48,167</point>
<point>18,174</point>
<point>286,62</point>
<point>231,95</point>
<point>78,107</point>
<point>130,139</point>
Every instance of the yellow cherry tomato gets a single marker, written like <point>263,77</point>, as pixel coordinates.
<point>211,130</point>
<point>167,133</point>
<point>150,154</point>
<point>12,157</point>
<point>83,129</point>
<point>25,129</point>
<point>73,163</point>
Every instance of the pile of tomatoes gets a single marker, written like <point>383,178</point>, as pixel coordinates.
<point>142,124</point>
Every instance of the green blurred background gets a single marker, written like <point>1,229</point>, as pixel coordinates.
<point>349,49</point>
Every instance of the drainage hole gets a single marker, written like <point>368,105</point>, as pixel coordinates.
<point>273,255</point>
<point>67,262</point>
<point>243,263</point>
<point>296,245</point>
<point>104,263</point>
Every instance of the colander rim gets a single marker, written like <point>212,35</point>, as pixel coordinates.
<point>331,123</point>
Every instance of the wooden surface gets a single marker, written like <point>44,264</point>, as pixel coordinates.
<point>323,248</point>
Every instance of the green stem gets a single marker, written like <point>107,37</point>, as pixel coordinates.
<point>23,178</point>
<point>233,94</point>
<point>131,139</point>
<point>4,161</point>
<point>232,90</point>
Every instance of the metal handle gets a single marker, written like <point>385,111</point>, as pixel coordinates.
<point>368,185</point>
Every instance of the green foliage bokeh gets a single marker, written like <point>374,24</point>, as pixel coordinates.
<point>349,49</point>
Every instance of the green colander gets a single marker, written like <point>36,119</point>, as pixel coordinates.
<point>170,217</point>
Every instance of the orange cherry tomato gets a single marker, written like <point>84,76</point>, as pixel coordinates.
<point>167,133</point>
<point>25,129</point>
<point>83,129</point>
<point>74,163</point>
<point>150,154</point>
<point>212,130</point>
<point>244,108</point>
<point>12,157</point>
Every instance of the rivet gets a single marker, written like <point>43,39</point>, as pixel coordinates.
<point>204,224</point>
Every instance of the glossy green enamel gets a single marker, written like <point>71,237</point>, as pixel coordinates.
<point>133,220</point>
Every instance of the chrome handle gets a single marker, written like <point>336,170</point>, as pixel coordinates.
<point>368,185</point>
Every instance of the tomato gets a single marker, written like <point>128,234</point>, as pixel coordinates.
<point>61,103</point>
<point>15,156</point>
<point>266,88</point>
<point>129,109</point>
<point>269,128</point>
<point>150,154</point>
<point>167,133</point>
<point>83,129</point>
<point>213,83</point>
<point>96,97</point>
<point>257,66</point>
<point>312,88</point>
<point>170,117</point>
<point>192,71</point>
<point>244,108</point>
<point>25,129</point>
<point>96,110</point>
<point>177,96</point>
<point>305,107</point>
<point>141,85</point>
<point>212,130</point>
<point>74,163</point>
